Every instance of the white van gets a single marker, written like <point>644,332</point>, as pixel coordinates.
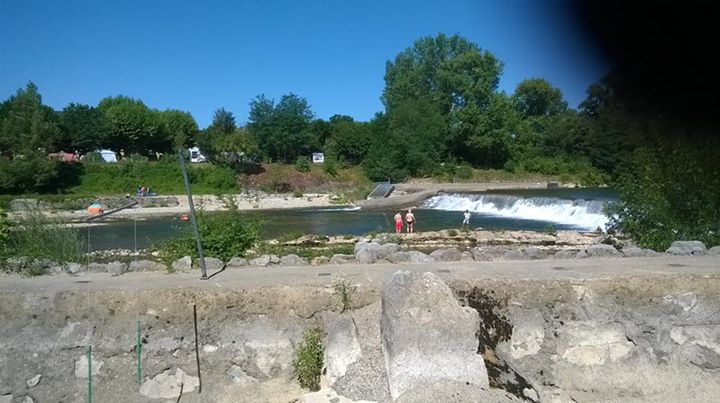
<point>196,155</point>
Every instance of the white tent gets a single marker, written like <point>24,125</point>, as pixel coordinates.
<point>108,155</point>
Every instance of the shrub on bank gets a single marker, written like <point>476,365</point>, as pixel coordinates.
<point>37,237</point>
<point>224,235</point>
<point>308,361</point>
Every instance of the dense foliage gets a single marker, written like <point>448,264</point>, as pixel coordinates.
<point>443,116</point>
<point>224,235</point>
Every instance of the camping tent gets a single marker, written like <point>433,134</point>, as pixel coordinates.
<point>108,155</point>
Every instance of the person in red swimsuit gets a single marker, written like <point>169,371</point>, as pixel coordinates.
<point>398,222</point>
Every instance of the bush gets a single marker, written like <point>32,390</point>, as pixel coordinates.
<point>465,172</point>
<point>38,237</point>
<point>330,166</point>
<point>302,164</point>
<point>224,235</point>
<point>37,174</point>
<point>671,193</point>
<point>308,361</point>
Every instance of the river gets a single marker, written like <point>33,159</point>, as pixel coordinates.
<point>535,210</point>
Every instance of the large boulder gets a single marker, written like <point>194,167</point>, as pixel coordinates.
<point>412,256</point>
<point>342,347</point>
<point>565,254</point>
<point>446,255</point>
<point>601,250</point>
<point>293,260</point>
<point>426,335</point>
<point>714,251</point>
<point>535,253</point>
<point>485,253</point>
<point>634,251</point>
<point>318,260</point>
<point>369,252</point>
<point>339,258</point>
<point>236,263</point>
<point>687,248</point>
<point>514,255</point>
<point>265,260</point>
<point>146,265</point>
<point>182,264</point>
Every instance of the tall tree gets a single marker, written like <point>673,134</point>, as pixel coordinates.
<point>222,126</point>
<point>537,97</point>
<point>84,128</point>
<point>180,126</point>
<point>134,127</point>
<point>283,130</point>
<point>28,126</point>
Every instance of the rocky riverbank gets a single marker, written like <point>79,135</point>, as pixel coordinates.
<point>639,331</point>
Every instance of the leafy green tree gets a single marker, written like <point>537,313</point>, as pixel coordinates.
<point>134,127</point>
<point>282,130</point>
<point>348,139</point>
<point>537,97</point>
<point>180,126</point>
<point>671,193</point>
<point>211,139</point>
<point>84,128</point>
<point>27,125</point>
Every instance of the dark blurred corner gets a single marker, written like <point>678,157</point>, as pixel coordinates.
<point>664,53</point>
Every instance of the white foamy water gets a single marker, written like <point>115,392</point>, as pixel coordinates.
<point>582,214</point>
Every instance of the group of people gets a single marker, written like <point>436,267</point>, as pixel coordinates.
<point>410,221</point>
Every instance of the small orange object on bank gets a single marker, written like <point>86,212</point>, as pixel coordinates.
<point>184,217</point>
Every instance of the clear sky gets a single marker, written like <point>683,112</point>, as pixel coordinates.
<point>201,55</point>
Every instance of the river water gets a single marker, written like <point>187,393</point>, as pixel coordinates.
<point>578,209</point>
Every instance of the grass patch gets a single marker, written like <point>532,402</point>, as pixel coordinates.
<point>344,291</point>
<point>308,361</point>
<point>37,237</point>
<point>306,252</point>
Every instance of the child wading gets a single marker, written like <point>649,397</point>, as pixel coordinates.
<point>410,221</point>
<point>466,221</point>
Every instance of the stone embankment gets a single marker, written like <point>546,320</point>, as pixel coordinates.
<point>440,246</point>
<point>577,332</point>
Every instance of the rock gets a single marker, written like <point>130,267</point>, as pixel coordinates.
<point>412,256</point>
<point>318,260</point>
<point>166,385</point>
<point>565,254</point>
<point>514,255</point>
<point>182,264</point>
<point>274,259</point>
<point>293,260</point>
<point>239,376</point>
<point>535,253</point>
<point>6,398</point>
<point>466,257</point>
<point>485,253</point>
<point>639,252</point>
<point>81,367</point>
<point>236,263</point>
<point>446,255</point>
<point>591,343</point>
<point>17,264</point>
<point>327,395</point>
<point>342,347</point>
<point>146,265</point>
<point>339,258</point>
<point>365,256</point>
<point>32,382</point>
<point>369,252</point>
<point>263,260</point>
<point>601,250</point>
<point>117,268</point>
<point>714,251</point>
<point>456,392</point>
<point>211,264</point>
<point>426,335</point>
<point>28,399</point>
<point>687,248</point>
<point>73,268</point>
<point>209,348</point>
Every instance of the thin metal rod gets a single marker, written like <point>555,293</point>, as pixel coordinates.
<point>193,219</point>
<point>89,385</point>
<point>197,352</point>
<point>139,354</point>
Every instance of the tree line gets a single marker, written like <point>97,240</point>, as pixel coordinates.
<point>443,111</point>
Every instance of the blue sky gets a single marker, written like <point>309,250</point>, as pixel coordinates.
<point>201,55</point>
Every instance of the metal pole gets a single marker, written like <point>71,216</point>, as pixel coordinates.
<point>193,219</point>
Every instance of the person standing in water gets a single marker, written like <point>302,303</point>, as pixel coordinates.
<point>410,221</point>
<point>398,222</point>
<point>466,221</point>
